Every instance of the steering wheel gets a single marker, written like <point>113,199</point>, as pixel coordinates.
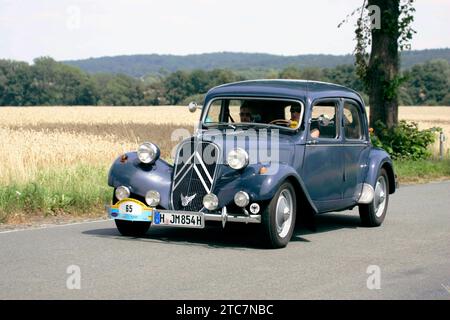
<point>285,122</point>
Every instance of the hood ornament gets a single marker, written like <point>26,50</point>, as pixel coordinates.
<point>185,200</point>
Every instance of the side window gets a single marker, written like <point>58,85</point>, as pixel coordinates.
<point>323,120</point>
<point>352,121</point>
<point>214,112</point>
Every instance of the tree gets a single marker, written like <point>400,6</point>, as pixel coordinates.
<point>15,83</point>
<point>119,90</point>
<point>385,25</point>
<point>428,83</point>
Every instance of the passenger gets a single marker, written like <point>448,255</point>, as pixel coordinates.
<point>315,133</point>
<point>295,116</point>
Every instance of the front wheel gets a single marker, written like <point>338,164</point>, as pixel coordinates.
<point>373,214</point>
<point>132,228</point>
<point>278,220</point>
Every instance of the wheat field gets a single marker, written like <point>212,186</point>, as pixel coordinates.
<point>55,159</point>
<point>35,138</point>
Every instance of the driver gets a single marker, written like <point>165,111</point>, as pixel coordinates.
<point>245,114</point>
<point>248,114</point>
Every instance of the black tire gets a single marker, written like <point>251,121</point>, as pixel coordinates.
<point>370,216</point>
<point>131,228</point>
<point>270,232</point>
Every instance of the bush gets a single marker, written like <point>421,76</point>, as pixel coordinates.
<point>404,141</point>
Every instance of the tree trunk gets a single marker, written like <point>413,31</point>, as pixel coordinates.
<point>383,69</point>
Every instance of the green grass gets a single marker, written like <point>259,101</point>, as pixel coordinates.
<point>410,171</point>
<point>78,190</point>
<point>84,190</point>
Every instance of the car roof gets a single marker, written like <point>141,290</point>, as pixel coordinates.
<point>293,89</point>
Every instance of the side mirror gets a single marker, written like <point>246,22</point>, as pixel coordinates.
<point>192,107</point>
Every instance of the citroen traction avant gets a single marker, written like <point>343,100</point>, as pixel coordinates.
<point>265,152</point>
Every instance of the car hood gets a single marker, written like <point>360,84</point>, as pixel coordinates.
<point>263,146</point>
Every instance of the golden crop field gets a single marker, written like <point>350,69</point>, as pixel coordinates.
<point>55,159</point>
<point>428,117</point>
<point>35,138</point>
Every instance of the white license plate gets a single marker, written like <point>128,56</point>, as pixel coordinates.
<point>131,208</point>
<point>179,219</point>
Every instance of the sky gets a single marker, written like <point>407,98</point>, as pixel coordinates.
<point>78,29</point>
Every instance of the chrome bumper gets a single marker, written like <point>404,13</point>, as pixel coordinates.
<point>223,217</point>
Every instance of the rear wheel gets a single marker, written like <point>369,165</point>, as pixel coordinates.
<point>278,220</point>
<point>373,214</point>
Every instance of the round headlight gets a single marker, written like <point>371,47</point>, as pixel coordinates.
<point>122,192</point>
<point>237,158</point>
<point>152,198</point>
<point>210,201</point>
<point>242,199</point>
<point>148,152</point>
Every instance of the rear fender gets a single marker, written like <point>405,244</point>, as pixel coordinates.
<point>378,158</point>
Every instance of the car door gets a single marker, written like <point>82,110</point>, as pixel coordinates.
<point>356,149</point>
<point>323,166</point>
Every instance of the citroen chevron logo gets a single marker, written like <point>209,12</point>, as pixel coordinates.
<point>194,159</point>
<point>185,200</point>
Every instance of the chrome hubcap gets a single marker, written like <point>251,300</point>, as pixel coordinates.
<point>380,196</point>
<point>284,210</point>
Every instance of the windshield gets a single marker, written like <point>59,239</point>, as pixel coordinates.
<point>254,112</point>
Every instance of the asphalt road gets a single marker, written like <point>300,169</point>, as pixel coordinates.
<point>411,249</point>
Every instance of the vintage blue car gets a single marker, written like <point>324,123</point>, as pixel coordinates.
<point>265,152</point>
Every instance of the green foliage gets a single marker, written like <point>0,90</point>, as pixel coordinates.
<point>404,141</point>
<point>182,84</point>
<point>119,90</point>
<point>69,190</point>
<point>48,82</point>
<point>429,83</point>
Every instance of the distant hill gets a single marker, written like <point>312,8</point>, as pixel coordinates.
<point>142,65</point>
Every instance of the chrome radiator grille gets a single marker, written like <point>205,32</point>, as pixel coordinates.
<point>194,174</point>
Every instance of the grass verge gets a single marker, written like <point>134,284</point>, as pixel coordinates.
<point>422,171</point>
<point>80,190</point>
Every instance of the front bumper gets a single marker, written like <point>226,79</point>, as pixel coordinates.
<point>147,214</point>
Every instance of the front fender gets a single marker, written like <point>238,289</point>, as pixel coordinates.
<point>260,187</point>
<point>379,158</point>
<point>140,178</point>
